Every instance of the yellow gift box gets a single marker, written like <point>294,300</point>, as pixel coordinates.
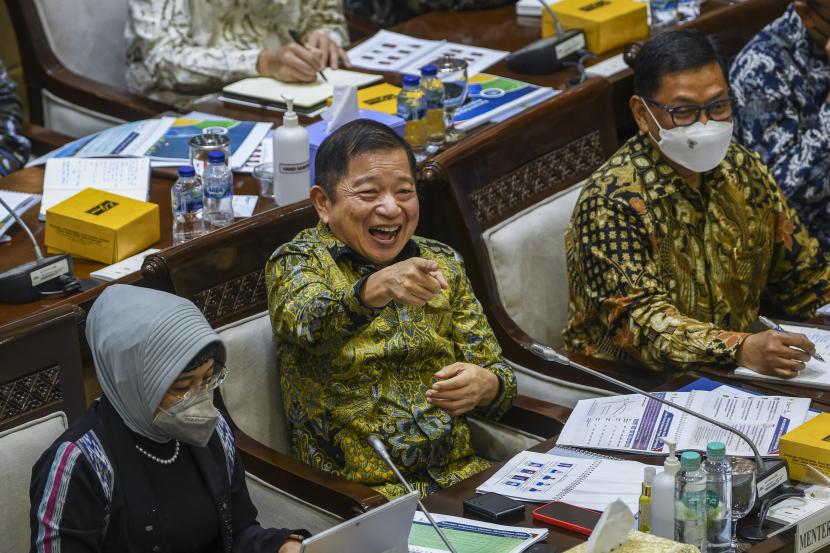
<point>808,444</point>
<point>102,226</point>
<point>608,24</point>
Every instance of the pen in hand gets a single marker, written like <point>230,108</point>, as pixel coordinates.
<point>769,323</point>
<point>296,37</point>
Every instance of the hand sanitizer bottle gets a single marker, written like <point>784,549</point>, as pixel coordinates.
<point>291,159</point>
<point>662,495</point>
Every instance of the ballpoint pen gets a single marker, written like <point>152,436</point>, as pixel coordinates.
<point>769,323</point>
<point>296,36</point>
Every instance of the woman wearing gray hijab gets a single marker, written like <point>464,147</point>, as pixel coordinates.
<point>152,465</point>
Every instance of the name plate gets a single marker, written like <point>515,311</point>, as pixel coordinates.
<point>813,533</point>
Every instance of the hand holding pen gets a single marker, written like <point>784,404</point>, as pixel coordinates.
<point>772,325</point>
<point>300,61</point>
<point>774,352</point>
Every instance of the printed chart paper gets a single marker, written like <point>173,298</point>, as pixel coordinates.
<point>586,482</point>
<point>636,423</point>
<point>388,51</point>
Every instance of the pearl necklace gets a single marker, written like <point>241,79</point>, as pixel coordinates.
<point>159,460</point>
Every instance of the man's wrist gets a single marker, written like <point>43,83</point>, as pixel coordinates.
<point>493,387</point>
<point>373,294</point>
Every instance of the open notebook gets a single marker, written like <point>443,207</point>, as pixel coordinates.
<point>576,477</point>
<point>307,96</point>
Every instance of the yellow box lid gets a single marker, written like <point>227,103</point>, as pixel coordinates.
<point>815,432</point>
<point>102,208</point>
<point>597,10</point>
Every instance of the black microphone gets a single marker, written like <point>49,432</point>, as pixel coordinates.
<point>770,474</point>
<point>547,55</point>
<point>44,276</point>
<point>379,447</point>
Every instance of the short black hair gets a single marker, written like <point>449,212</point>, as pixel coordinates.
<point>672,51</point>
<point>357,137</point>
<point>205,354</point>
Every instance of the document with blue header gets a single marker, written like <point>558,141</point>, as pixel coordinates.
<point>636,423</point>
<point>470,536</point>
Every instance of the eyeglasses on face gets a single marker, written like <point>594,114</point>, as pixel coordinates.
<point>220,373</point>
<point>685,115</point>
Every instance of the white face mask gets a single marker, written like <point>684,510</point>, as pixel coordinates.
<point>698,147</point>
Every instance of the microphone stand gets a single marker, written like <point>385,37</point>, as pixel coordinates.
<point>379,447</point>
<point>769,474</point>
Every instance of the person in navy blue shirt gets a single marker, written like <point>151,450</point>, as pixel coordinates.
<point>781,90</point>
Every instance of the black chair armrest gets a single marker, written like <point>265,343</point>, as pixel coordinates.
<point>536,416</point>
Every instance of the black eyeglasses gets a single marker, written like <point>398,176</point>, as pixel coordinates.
<point>683,116</point>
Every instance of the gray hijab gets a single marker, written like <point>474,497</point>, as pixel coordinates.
<point>141,340</point>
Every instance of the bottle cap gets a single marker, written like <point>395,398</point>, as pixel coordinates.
<point>289,118</point>
<point>429,71</point>
<point>648,476</point>
<point>411,80</point>
<point>187,171</point>
<point>690,460</point>
<point>216,156</point>
<point>715,451</point>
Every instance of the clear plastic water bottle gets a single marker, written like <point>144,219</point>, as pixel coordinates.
<point>412,109</point>
<point>186,199</point>
<point>688,9</point>
<point>217,191</point>
<point>663,13</point>
<point>434,97</point>
<point>718,498</point>
<point>690,502</point>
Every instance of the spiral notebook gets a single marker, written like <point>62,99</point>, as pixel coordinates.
<point>573,476</point>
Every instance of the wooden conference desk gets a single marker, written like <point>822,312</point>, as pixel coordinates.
<point>20,249</point>
<point>451,500</point>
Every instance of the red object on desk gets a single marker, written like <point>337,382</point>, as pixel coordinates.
<point>567,516</point>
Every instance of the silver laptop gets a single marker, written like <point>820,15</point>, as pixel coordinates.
<point>384,529</point>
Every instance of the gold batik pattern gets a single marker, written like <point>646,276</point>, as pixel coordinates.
<point>671,277</point>
<point>349,371</point>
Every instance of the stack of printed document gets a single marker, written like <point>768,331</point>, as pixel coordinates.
<point>815,375</point>
<point>470,536</point>
<point>637,423</point>
<point>394,52</point>
<point>579,478</point>
<point>164,141</point>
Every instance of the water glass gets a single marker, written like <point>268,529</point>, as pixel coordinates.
<point>212,138</point>
<point>744,493</point>
<point>453,73</point>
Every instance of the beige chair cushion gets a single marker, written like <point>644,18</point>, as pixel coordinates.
<point>498,442</point>
<point>527,254</point>
<point>252,390</point>
<point>553,390</point>
<point>20,447</point>
<point>71,119</point>
<point>278,509</point>
<point>87,36</point>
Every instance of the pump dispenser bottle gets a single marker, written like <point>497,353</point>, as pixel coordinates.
<point>662,495</point>
<point>291,159</point>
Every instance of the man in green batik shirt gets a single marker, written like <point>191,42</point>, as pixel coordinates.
<point>377,331</point>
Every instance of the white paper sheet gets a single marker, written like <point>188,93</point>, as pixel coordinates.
<point>19,202</point>
<point>388,51</point>
<point>585,482</point>
<point>244,205</point>
<point>815,375</point>
<point>634,422</point>
<point>123,268</point>
<point>65,177</point>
